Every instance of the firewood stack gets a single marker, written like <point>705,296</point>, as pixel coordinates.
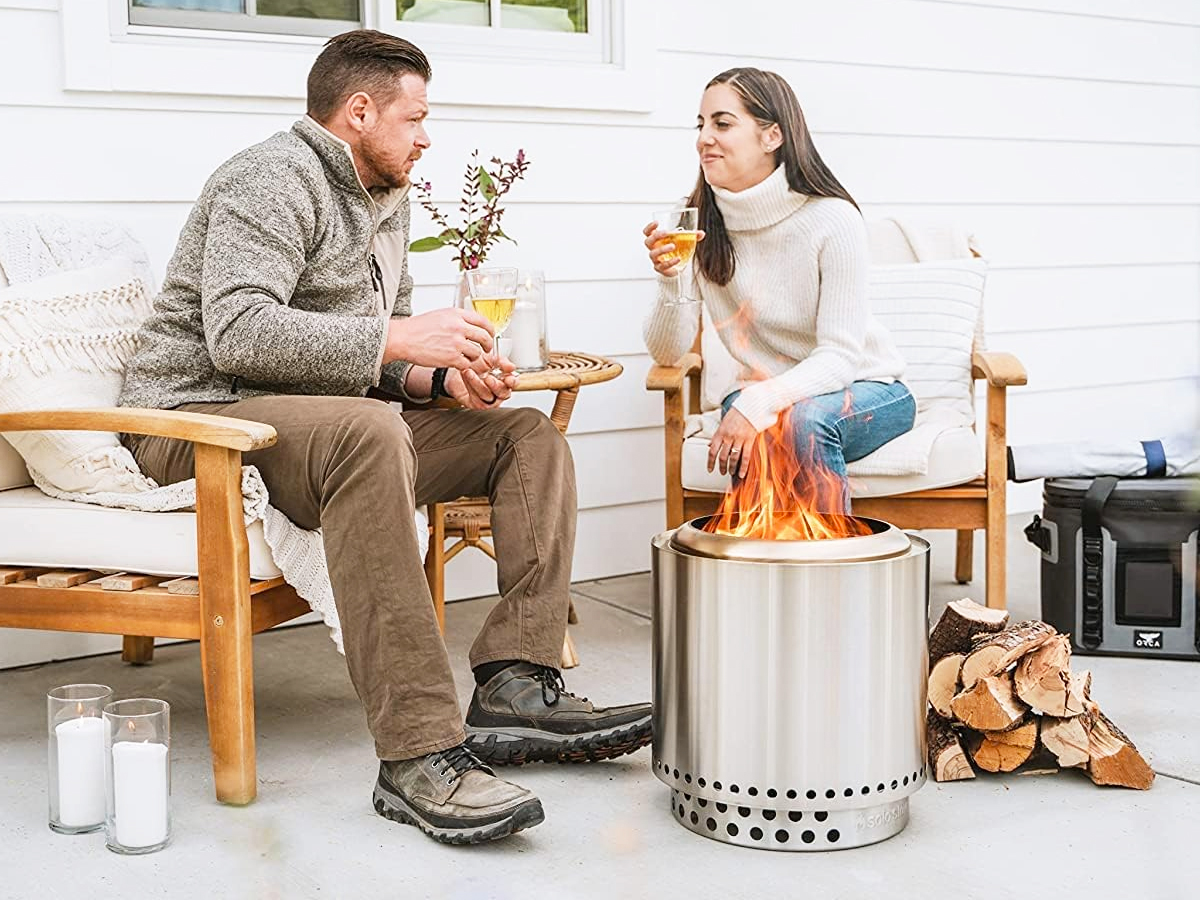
<point>1004,699</point>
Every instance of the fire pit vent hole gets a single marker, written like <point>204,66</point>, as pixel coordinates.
<point>791,793</point>
<point>760,827</point>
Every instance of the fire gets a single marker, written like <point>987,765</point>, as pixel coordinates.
<point>787,495</point>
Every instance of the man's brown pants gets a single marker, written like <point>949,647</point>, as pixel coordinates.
<point>357,469</point>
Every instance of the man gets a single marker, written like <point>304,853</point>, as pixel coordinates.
<point>287,299</point>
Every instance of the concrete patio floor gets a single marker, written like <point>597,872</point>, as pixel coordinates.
<point>608,831</point>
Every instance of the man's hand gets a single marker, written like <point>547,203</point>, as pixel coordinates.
<point>455,338</point>
<point>482,391</point>
<point>731,445</point>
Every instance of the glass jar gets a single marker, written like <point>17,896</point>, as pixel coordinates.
<point>529,350</point>
<point>75,758</point>
<point>138,762</point>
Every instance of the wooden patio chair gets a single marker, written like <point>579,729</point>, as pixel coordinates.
<point>977,501</point>
<point>221,609</point>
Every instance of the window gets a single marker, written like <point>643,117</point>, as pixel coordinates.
<point>307,17</point>
<point>546,54</point>
<point>328,17</point>
<point>535,15</point>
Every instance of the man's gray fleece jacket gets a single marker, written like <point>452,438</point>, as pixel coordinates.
<point>283,282</point>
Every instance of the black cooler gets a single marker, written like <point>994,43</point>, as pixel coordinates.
<point>1119,564</point>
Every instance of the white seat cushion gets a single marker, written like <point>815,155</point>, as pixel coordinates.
<point>955,458</point>
<point>37,530</point>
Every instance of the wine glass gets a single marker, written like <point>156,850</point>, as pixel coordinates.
<point>682,229</point>
<point>492,292</point>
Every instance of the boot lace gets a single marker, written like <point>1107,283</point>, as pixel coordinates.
<point>456,762</point>
<point>553,685</point>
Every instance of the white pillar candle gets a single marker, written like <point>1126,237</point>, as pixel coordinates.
<point>80,771</point>
<point>523,330</point>
<point>140,793</point>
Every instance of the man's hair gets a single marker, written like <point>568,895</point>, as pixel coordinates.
<point>363,60</point>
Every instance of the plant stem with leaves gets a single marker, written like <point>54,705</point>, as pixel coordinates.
<point>479,207</point>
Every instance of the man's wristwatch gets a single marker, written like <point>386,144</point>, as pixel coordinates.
<point>437,385</point>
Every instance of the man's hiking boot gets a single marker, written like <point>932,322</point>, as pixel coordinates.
<point>454,798</point>
<point>525,714</point>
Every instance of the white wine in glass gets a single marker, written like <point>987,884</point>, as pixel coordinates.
<point>682,230</point>
<point>492,293</point>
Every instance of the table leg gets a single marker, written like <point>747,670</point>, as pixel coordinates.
<point>564,405</point>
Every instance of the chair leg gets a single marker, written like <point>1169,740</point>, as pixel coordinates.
<point>229,700</point>
<point>570,659</point>
<point>137,649</point>
<point>964,562</point>
<point>435,563</point>
<point>226,656</point>
<point>995,556</point>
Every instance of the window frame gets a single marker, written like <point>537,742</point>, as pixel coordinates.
<point>608,70</point>
<point>248,22</point>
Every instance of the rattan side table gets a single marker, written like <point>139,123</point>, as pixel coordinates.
<point>468,520</point>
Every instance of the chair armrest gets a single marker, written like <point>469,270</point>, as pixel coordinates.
<point>1000,369</point>
<point>671,378</point>
<point>198,428</point>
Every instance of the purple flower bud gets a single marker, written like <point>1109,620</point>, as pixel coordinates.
<point>520,156</point>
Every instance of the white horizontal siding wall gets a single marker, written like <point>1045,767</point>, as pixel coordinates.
<point>1064,133</point>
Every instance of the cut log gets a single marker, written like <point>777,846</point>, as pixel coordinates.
<point>943,683</point>
<point>1003,751</point>
<point>991,654</point>
<point>1067,739</point>
<point>991,705</point>
<point>1043,679</point>
<point>961,621</point>
<point>1041,761</point>
<point>1113,758</point>
<point>947,761</point>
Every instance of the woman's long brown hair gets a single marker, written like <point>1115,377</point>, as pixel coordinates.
<point>770,100</point>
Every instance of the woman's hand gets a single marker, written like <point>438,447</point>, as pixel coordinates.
<point>663,257</point>
<point>485,391</point>
<point>731,446</point>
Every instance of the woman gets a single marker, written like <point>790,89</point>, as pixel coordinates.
<point>782,271</point>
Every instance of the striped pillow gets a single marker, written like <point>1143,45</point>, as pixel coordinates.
<point>934,313</point>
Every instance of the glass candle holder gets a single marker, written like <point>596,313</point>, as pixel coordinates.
<point>75,757</point>
<point>530,349</point>
<point>138,767</point>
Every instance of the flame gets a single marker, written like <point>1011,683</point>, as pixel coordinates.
<point>787,494</point>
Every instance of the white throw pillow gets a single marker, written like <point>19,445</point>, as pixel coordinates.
<point>932,310</point>
<point>64,343</point>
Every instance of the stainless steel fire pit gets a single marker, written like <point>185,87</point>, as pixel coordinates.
<point>789,685</point>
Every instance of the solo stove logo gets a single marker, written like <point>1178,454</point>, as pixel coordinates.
<point>876,820</point>
<point>1148,639</point>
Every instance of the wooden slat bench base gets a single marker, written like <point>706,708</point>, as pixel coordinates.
<point>151,611</point>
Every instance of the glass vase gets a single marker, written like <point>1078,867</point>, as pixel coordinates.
<point>530,351</point>
<point>75,758</point>
<point>138,767</point>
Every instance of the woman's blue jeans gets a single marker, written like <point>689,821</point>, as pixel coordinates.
<point>834,429</point>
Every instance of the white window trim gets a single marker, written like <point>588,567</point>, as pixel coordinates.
<point>103,53</point>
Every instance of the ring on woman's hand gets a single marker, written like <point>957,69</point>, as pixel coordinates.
<point>736,451</point>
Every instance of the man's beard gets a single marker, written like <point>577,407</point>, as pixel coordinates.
<point>378,165</point>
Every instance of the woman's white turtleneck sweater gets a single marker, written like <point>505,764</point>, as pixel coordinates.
<point>795,314</point>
